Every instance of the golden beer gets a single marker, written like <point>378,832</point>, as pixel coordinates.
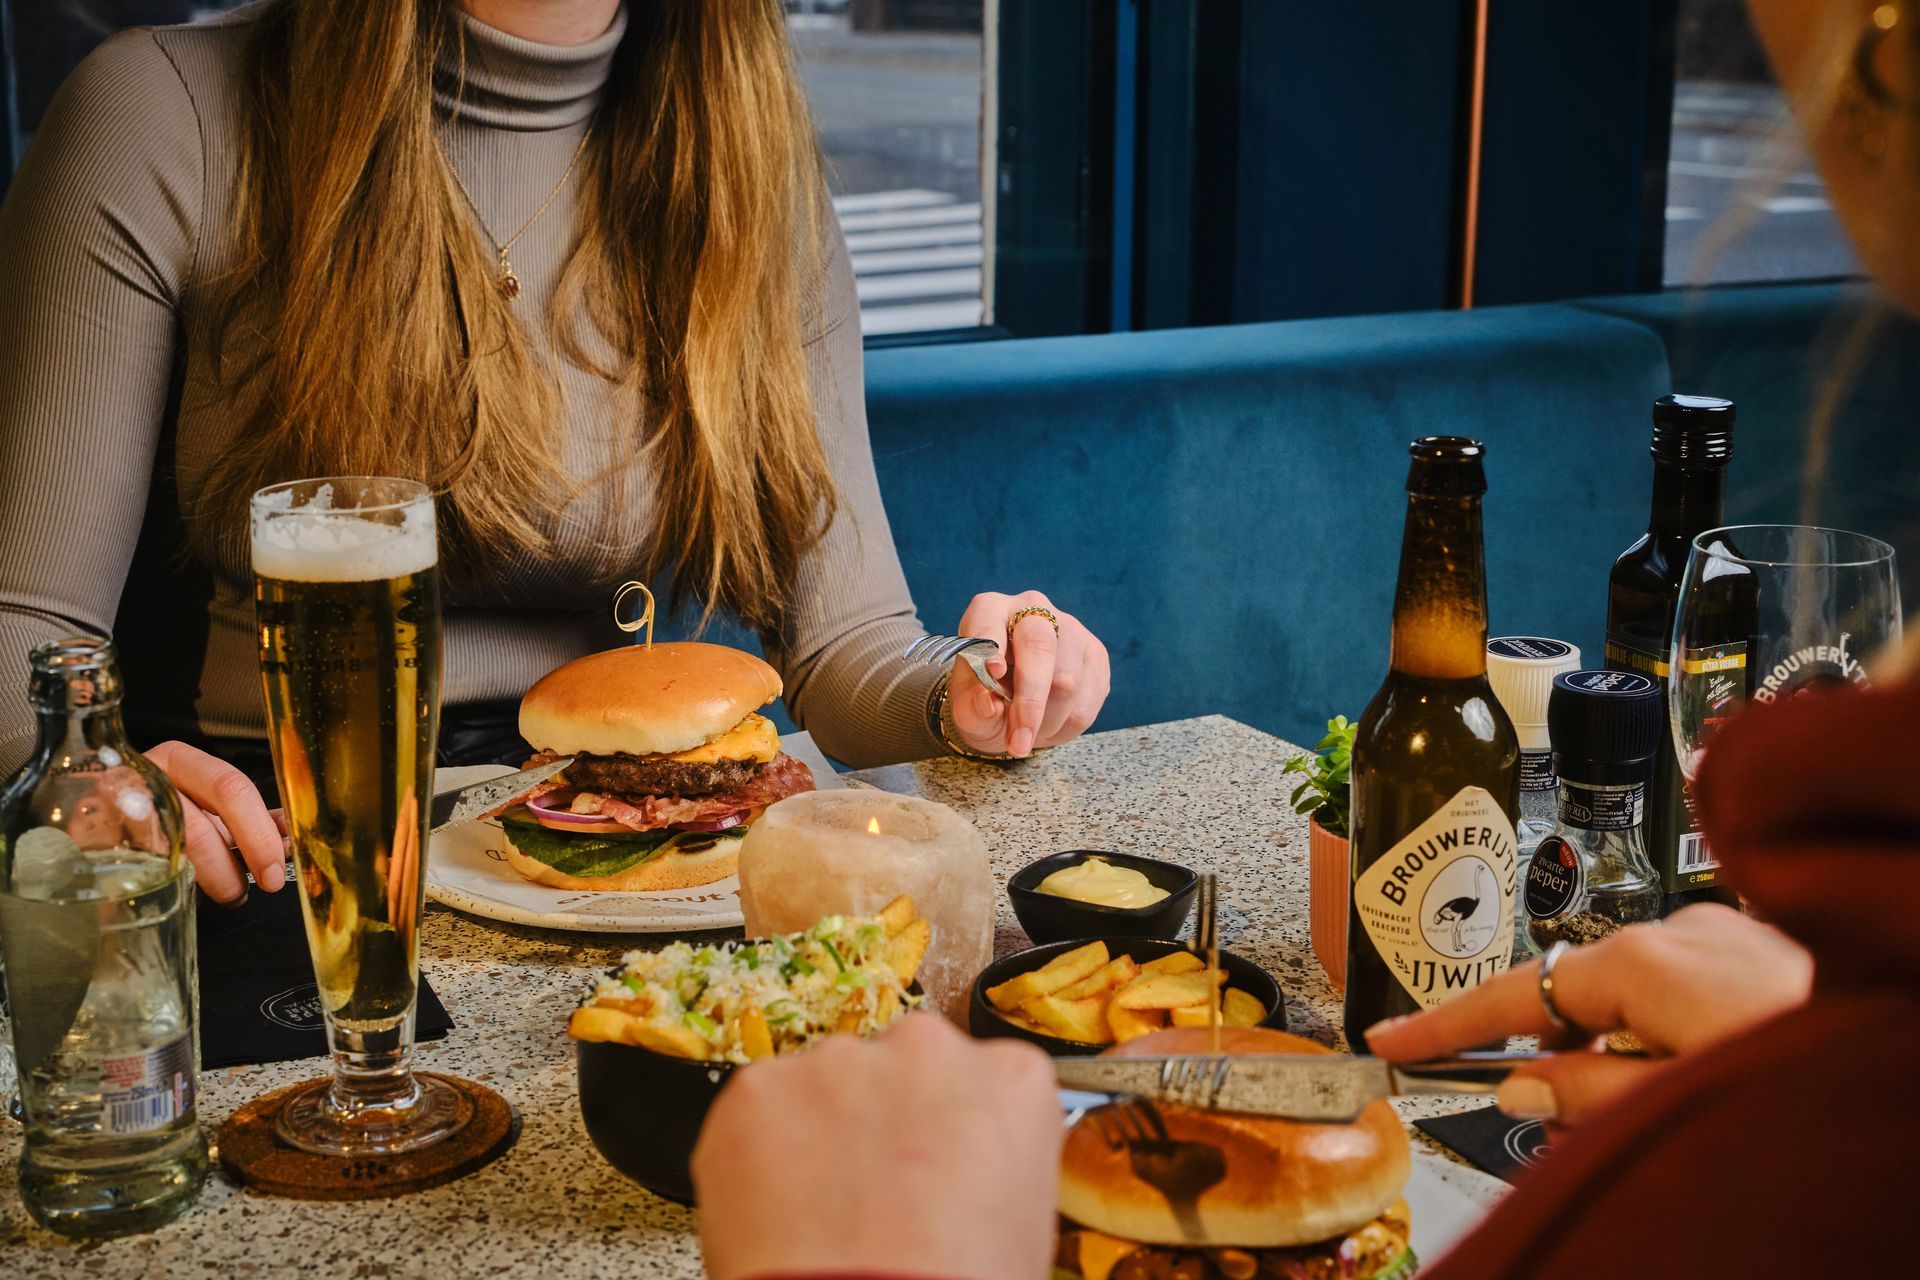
<point>347,597</point>
<point>352,675</point>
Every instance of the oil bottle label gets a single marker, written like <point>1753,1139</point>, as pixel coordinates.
<point>148,1090</point>
<point>1438,906</point>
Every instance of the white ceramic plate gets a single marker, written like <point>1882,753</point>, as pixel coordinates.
<point>467,870</point>
<point>1447,1200</point>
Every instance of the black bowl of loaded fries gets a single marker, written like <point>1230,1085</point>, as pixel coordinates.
<point>660,1035</point>
<point>1076,998</point>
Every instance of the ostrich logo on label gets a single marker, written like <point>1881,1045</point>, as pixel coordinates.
<point>1459,911</point>
<point>1437,905</point>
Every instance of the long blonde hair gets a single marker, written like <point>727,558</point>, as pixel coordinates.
<point>380,343</point>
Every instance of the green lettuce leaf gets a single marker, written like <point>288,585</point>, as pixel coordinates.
<point>587,856</point>
<point>601,854</point>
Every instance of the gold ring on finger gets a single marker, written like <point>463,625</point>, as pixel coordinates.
<point>1013,619</point>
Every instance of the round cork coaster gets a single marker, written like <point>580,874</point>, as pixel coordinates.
<point>252,1153</point>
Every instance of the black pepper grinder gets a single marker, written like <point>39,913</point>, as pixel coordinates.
<point>1592,875</point>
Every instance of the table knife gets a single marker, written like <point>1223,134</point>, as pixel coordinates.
<point>1319,1087</point>
<point>464,804</point>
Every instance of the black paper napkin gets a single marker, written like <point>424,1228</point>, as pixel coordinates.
<point>258,1002</point>
<point>1491,1140</point>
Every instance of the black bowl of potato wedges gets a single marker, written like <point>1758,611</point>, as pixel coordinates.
<point>660,1035</point>
<point>1077,998</point>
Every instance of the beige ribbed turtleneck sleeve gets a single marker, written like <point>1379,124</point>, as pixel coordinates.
<point>109,411</point>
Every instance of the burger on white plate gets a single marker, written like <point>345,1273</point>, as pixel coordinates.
<point>1294,1201</point>
<point>671,761</point>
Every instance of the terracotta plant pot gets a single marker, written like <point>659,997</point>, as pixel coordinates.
<point>1330,879</point>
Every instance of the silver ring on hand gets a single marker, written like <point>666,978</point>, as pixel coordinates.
<point>1559,1020</point>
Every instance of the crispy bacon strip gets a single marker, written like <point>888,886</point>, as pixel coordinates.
<point>780,777</point>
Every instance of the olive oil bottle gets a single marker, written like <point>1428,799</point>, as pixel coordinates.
<point>1692,445</point>
<point>1436,768</point>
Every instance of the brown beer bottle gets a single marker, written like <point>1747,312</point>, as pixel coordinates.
<point>1436,768</point>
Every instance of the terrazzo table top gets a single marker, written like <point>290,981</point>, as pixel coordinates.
<point>1205,792</point>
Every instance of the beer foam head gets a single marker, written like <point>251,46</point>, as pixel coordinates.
<point>313,541</point>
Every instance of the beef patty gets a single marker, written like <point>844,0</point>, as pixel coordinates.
<point>649,776</point>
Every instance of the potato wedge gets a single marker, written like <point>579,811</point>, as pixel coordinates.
<point>1111,976</point>
<point>907,948</point>
<point>897,915</point>
<point>1062,971</point>
<point>1084,1021</point>
<point>1239,1009</point>
<point>1192,1015</point>
<point>676,1042</point>
<point>756,1038</point>
<point>1175,962</point>
<point>1131,1024</point>
<point>600,1024</point>
<point>887,1007</point>
<point>1170,990</point>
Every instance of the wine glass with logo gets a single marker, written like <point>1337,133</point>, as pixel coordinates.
<point>1769,612</point>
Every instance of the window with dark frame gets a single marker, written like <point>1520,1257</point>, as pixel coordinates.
<point>897,94</point>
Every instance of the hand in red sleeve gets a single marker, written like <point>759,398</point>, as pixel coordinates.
<point>1697,977</point>
<point>923,1153</point>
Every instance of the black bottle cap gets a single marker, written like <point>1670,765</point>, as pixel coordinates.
<point>1605,726</point>
<point>1446,467</point>
<point>1693,430</point>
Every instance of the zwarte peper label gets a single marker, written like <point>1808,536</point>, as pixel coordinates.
<point>1554,874</point>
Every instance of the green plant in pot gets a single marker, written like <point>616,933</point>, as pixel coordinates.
<point>1325,794</point>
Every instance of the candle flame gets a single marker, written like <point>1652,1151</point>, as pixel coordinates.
<point>873,826</point>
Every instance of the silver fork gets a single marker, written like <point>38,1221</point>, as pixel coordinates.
<point>938,651</point>
<point>1179,1170</point>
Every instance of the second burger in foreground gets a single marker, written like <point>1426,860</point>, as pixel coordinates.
<point>671,762</point>
<point>1292,1201</point>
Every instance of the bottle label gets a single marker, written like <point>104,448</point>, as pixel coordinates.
<point>1438,905</point>
<point>1620,808</point>
<point>1622,656</point>
<point>1554,878</point>
<point>1536,771</point>
<point>144,1091</point>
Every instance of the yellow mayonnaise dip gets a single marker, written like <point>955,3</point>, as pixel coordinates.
<point>1099,882</point>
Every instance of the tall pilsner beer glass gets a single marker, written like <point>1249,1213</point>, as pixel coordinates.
<point>347,594</point>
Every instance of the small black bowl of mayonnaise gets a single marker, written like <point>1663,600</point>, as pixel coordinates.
<point>1093,893</point>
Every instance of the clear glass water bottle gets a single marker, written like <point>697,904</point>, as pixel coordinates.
<point>96,927</point>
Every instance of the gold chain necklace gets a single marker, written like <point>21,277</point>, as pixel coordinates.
<point>509,282</point>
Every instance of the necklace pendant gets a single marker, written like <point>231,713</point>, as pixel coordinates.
<point>509,282</point>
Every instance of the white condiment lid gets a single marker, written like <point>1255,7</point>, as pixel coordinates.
<point>1521,670</point>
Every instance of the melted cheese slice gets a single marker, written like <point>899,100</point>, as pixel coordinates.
<point>1099,1254</point>
<point>753,739</point>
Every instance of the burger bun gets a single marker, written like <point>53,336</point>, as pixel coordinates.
<point>1287,1183</point>
<point>645,699</point>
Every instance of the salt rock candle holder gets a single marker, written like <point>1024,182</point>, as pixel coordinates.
<point>825,853</point>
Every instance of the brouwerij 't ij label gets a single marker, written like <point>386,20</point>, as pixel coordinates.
<point>1438,906</point>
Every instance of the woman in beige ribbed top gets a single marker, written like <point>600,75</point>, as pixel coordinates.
<point>119,215</point>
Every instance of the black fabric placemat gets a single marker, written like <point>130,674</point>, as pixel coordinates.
<point>1491,1140</point>
<point>258,1001</point>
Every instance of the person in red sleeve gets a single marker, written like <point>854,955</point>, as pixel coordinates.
<point>1783,1147</point>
